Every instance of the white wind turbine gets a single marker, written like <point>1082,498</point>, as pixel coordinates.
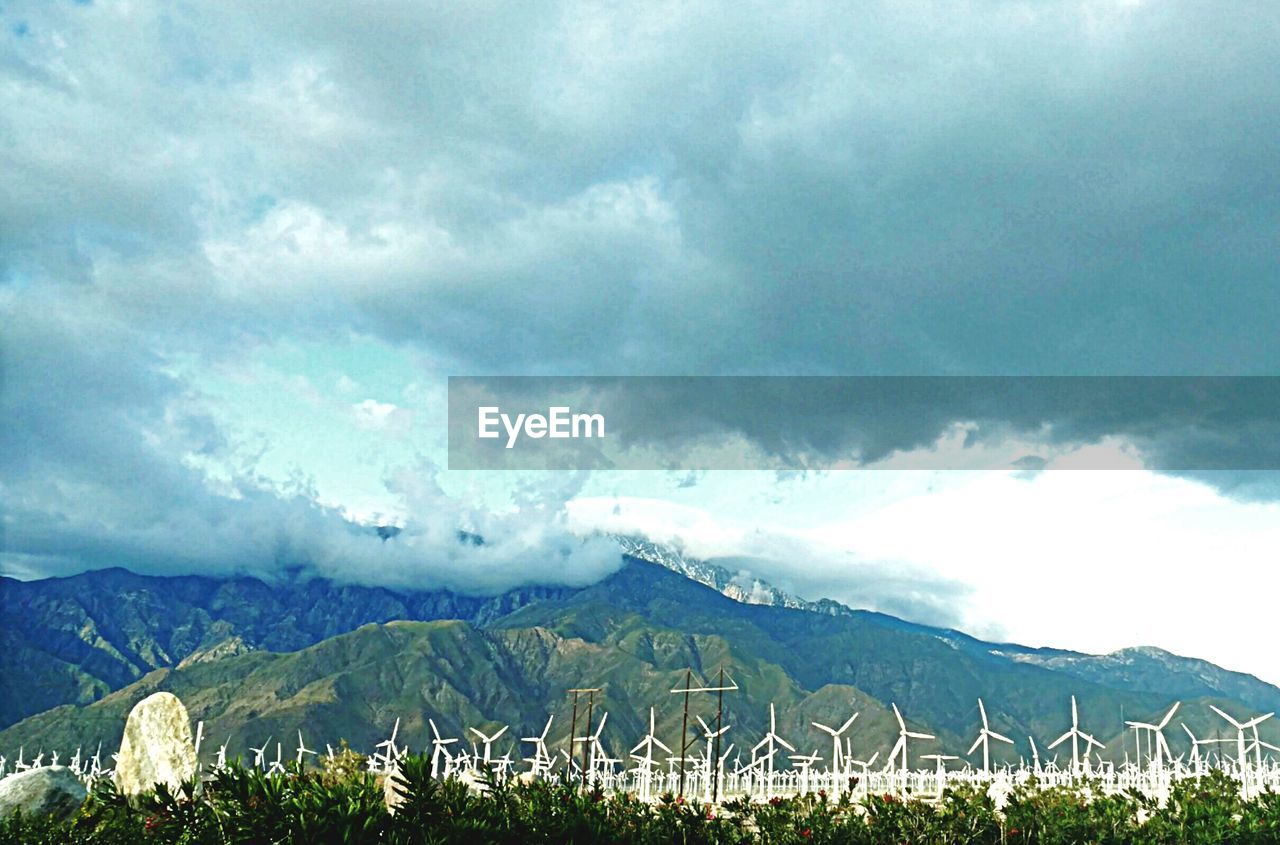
<point>803,763</point>
<point>278,766</point>
<point>709,769</point>
<point>1035,755</point>
<point>303,750</point>
<point>391,753</point>
<point>770,742</point>
<point>599,758</point>
<point>595,750</point>
<point>837,764</point>
<point>985,735</point>
<point>1241,727</point>
<point>259,752</point>
<point>941,772</point>
<point>645,760</point>
<point>1075,735</point>
<point>488,742</point>
<point>864,765</point>
<point>900,747</point>
<point>439,750</point>
<point>542,761</point>
<point>1157,736</point>
<point>1197,762</point>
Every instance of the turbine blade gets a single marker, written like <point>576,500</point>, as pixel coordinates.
<point>1169,715</point>
<point>1236,724</point>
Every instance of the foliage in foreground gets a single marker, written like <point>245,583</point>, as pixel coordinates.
<point>345,805</point>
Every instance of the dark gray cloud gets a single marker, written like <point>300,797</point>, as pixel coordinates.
<point>1198,423</point>
<point>1069,188</point>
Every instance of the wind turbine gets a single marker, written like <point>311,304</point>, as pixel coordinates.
<point>593,747</point>
<point>770,741</point>
<point>488,742</point>
<point>1195,749</point>
<point>1241,754</point>
<point>1157,735</point>
<point>835,740</point>
<point>942,768</point>
<point>392,753</point>
<point>900,747</point>
<point>542,761</point>
<point>711,773</point>
<point>1035,755</point>
<point>649,742</point>
<point>278,766</point>
<point>804,762</point>
<point>303,750</point>
<point>258,752</point>
<point>985,735</point>
<point>1257,745</point>
<point>1075,735</point>
<point>438,749</point>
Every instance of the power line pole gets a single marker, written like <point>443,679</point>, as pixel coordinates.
<point>573,727</point>
<point>684,725</point>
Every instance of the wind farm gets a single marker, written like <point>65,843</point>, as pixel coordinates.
<point>767,769</point>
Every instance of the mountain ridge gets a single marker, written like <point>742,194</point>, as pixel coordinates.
<point>109,635</point>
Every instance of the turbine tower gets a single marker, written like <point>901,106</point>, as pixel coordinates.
<point>438,750</point>
<point>1157,735</point>
<point>985,735</point>
<point>541,762</point>
<point>1075,735</point>
<point>488,742</point>
<point>900,747</point>
<point>837,763</point>
<point>770,741</point>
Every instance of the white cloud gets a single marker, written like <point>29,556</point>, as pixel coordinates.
<point>1090,560</point>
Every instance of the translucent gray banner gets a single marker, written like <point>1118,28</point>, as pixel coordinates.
<point>1190,424</point>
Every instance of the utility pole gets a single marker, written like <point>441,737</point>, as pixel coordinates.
<point>713,765</point>
<point>684,725</point>
<point>573,727</point>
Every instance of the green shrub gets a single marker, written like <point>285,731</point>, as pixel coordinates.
<point>345,804</point>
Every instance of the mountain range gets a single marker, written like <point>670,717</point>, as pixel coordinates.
<point>260,661</point>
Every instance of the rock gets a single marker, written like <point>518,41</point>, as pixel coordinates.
<point>157,746</point>
<point>48,790</point>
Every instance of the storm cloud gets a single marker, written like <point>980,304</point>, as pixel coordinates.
<point>1062,188</point>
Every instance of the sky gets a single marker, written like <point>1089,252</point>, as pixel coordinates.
<point>243,245</point>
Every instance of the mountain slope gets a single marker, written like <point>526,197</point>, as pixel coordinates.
<point>73,640</point>
<point>1137,669</point>
<point>634,635</point>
